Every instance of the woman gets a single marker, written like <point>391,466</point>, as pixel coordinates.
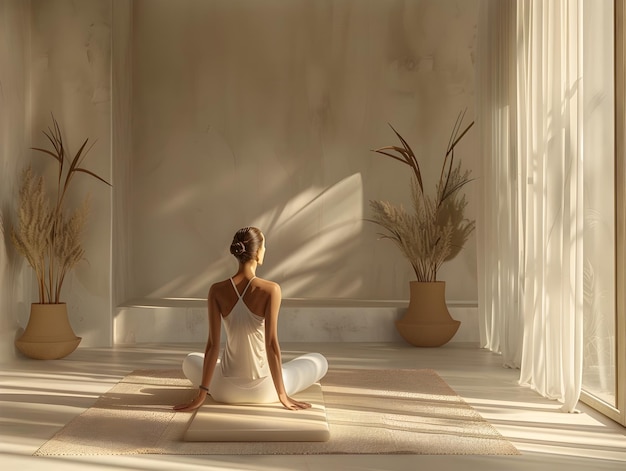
<point>250,369</point>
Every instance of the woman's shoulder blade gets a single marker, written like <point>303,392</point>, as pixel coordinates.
<point>220,286</point>
<point>267,285</point>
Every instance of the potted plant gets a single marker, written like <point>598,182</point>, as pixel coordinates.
<point>433,233</point>
<point>49,237</point>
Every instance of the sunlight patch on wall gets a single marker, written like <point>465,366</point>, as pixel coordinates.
<point>316,230</point>
<point>305,239</point>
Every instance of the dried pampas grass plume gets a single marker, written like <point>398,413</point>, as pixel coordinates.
<point>32,236</point>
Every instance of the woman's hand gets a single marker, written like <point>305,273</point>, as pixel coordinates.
<point>292,404</point>
<point>194,404</point>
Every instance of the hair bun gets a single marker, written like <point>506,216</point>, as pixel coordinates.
<point>237,248</point>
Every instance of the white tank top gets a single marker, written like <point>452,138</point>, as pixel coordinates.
<point>244,354</point>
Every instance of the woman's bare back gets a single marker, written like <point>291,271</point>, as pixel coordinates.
<point>257,296</point>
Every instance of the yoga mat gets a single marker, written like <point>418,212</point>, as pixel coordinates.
<point>368,411</point>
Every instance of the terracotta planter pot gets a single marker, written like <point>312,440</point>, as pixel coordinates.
<point>48,334</point>
<point>427,322</point>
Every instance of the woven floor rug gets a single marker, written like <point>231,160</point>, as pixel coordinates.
<point>368,411</point>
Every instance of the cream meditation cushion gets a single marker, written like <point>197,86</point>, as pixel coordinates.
<point>216,422</point>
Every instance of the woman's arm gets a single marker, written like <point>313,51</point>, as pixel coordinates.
<point>211,354</point>
<point>273,350</point>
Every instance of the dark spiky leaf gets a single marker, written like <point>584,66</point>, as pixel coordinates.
<point>89,172</point>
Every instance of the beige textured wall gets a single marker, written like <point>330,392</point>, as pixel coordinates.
<point>71,78</point>
<point>56,58</point>
<point>263,113</point>
<point>15,287</point>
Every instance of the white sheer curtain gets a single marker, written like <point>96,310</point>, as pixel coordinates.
<point>531,295</point>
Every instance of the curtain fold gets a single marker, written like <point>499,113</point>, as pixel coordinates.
<point>499,227</point>
<point>531,224</point>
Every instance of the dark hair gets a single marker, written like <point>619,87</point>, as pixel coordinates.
<point>246,243</point>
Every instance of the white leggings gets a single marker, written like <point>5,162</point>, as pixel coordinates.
<point>298,375</point>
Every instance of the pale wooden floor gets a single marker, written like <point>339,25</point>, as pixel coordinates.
<point>38,398</point>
